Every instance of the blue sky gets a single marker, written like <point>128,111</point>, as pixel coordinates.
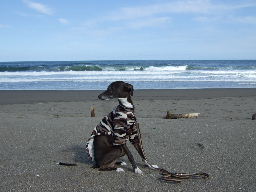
<point>127,29</point>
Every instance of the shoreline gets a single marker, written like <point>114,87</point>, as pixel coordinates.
<point>35,96</point>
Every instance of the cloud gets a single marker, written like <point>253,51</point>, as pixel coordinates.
<point>174,7</point>
<point>235,6</point>
<point>43,9</point>
<point>162,14</point>
<point>187,6</point>
<point>151,22</point>
<point>63,21</point>
<point>232,19</point>
<point>39,7</point>
<point>244,19</point>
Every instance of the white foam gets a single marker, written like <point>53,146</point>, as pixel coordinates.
<point>150,74</point>
<point>166,68</point>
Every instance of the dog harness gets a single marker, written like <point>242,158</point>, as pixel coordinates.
<point>120,124</point>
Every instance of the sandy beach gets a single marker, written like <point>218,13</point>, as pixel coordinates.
<point>38,129</point>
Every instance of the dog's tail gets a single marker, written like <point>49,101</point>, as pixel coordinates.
<point>90,148</point>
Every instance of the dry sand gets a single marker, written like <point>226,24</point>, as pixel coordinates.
<point>40,128</point>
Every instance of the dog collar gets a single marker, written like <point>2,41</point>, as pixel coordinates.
<point>125,103</point>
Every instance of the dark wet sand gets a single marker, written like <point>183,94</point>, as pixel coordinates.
<point>40,128</point>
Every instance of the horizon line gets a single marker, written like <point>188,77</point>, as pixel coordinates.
<point>129,60</point>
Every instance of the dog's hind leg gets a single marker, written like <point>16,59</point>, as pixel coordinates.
<point>102,145</point>
<point>108,162</point>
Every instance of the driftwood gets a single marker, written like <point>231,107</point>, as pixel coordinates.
<point>170,115</point>
<point>93,112</point>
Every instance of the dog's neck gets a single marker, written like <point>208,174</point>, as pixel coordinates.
<point>126,102</point>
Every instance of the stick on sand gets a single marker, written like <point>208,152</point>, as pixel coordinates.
<point>170,115</point>
<point>93,112</point>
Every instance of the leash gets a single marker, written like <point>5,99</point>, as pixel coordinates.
<point>177,177</point>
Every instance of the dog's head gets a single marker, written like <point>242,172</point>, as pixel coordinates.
<point>117,89</point>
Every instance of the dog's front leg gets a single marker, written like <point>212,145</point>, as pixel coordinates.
<point>139,148</point>
<point>136,169</point>
<point>136,140</point>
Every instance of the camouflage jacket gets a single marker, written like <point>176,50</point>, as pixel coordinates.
<point>120,123</point>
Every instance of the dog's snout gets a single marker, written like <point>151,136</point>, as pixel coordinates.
<point>105,96</point>
<point>100,97</point>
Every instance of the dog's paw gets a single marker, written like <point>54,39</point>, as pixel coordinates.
<point>123,163</point>
<point>119,170</point>
<point>138,171</point>
<point>151,166</point>
<point>155,166</point>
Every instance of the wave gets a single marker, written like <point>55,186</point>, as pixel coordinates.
<point>147,75</point>
<point>145,66</point>
<point>221,68</point>
<point>101,68</point>
<point>89,68</point>
<point>50,68</point>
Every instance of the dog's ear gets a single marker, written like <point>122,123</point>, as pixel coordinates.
<point>129,87</point>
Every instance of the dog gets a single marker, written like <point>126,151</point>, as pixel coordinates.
<point>108,139</point>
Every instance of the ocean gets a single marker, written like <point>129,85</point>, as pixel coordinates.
<point>143,74</point>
